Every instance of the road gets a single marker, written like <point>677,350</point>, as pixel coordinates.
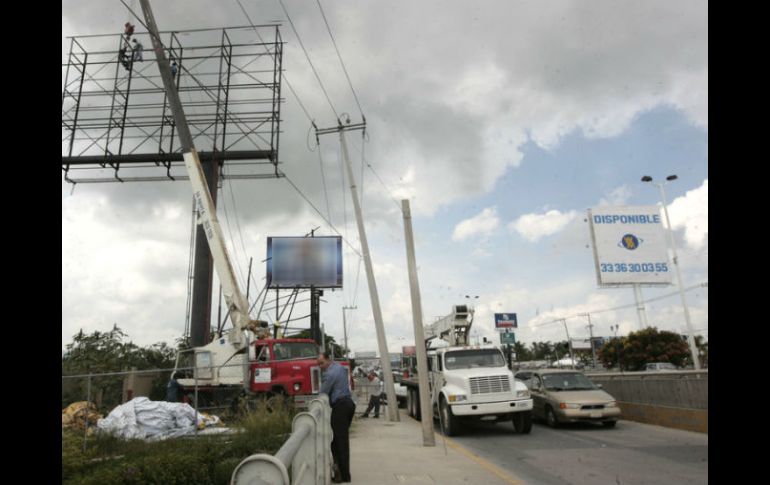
<point>631,453</point>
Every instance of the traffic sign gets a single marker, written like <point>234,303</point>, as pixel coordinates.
<point>508,338</point>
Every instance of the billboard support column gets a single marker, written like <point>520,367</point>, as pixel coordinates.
<point>640,306</point>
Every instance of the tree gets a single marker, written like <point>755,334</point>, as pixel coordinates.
<point>105,352</point>
<point>523,354</point>
<point>646,345</point>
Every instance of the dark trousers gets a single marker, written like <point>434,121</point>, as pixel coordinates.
<point>342,415</point>
<point>374,403</point>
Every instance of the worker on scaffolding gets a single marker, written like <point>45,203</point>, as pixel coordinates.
<point>124,58</point>
<point>129,31</point>
<point>137,56</point>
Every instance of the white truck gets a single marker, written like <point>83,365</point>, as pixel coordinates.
<point>468,382</point>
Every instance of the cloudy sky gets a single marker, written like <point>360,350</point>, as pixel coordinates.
<point>501,121</point>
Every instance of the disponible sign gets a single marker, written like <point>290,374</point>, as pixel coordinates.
<point>629,245</point>
<point>505,321</point>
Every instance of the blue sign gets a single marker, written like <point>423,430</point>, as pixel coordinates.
<point>506,320</point>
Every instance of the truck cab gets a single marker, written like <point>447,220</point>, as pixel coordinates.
<point>474,382</point>
<point>284,366</point>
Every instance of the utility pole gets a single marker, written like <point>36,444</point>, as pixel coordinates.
<point>345,328</point>
<point>569,341</point>
<point>390,389</point>
<point>428,439</point>
<point>591,333</point>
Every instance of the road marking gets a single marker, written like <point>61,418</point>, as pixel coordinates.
<point>481,461</point>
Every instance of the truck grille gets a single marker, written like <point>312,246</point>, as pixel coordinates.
<point>490,384</point>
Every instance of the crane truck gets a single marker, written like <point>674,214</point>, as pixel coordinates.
<point>468,382</point>
<point>246,359</point>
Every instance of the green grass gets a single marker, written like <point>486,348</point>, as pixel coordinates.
<point>189,460</point>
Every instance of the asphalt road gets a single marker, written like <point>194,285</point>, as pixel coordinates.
<point>631,453</point>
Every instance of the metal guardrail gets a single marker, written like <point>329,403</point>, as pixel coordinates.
<point>307,452</point>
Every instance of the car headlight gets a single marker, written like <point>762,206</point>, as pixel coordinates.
<point>566,405</point>
<point>611,404</point>
<point>457,397</point>
<point>522,393</point>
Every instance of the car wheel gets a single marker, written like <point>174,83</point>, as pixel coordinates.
<point>550,417</point>
<point>522,422</point>
<point>450,423</point>
<point>609,424</point>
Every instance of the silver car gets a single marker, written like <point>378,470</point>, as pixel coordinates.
<point>568,396</point>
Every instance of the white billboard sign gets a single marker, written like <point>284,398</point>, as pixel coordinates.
<point>581,344</point>
<point>629,245</point>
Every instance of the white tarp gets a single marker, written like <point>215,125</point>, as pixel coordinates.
<point>153,420</point>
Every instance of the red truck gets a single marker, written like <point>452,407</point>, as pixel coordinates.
<point>282,366</point>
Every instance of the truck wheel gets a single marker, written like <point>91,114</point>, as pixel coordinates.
<point>522,422</point>
<point>550,418</point>
<point>450,422</point>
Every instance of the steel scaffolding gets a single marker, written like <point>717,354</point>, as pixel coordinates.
<point>116,122</point>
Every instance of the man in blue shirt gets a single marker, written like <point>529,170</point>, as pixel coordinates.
<point>336,385</point>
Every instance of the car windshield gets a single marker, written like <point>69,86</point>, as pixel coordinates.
<point>565,381</point>
<point>466,359</point>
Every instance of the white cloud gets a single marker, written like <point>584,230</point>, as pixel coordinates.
<point>691,212</point>
<point>535,226</point>
<point>481,224</point>
<point>618,196</point>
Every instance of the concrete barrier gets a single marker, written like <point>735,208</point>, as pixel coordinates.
<point>674,399</point>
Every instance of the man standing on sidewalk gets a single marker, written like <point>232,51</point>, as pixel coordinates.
<point>337,386</point>
<point>375,394</point>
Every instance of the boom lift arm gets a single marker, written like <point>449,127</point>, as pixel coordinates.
<point>207,216</point>
<point>453,328</point>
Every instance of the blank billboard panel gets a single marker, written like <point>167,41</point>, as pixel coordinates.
<point>304,262</point>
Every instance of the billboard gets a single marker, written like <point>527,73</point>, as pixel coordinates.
<point>581,344</point>
<point>304,262</point>
<point>629,245</point>
<point>505,321</point>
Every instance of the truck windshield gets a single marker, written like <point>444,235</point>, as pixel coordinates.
<point>466,359</point>
<point>294,350</point>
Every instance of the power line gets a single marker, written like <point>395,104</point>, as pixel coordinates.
<point>285,78</point>
<point>630,305</point>
<point>360,110</point>
<point>319,213</point>
<point>308,59</point>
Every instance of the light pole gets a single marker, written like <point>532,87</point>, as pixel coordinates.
<point>690,337</point>
<point>345,328</point>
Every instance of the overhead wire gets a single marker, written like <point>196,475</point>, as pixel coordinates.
<point>299,39</point>
<point>339,56</point>
<point>621,307</point>
<point>283,75</point>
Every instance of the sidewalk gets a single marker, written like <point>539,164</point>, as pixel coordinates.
<point>384,452</point>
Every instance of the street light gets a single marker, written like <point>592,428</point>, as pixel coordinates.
<point>690,338</point>
<point>345,328</point>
